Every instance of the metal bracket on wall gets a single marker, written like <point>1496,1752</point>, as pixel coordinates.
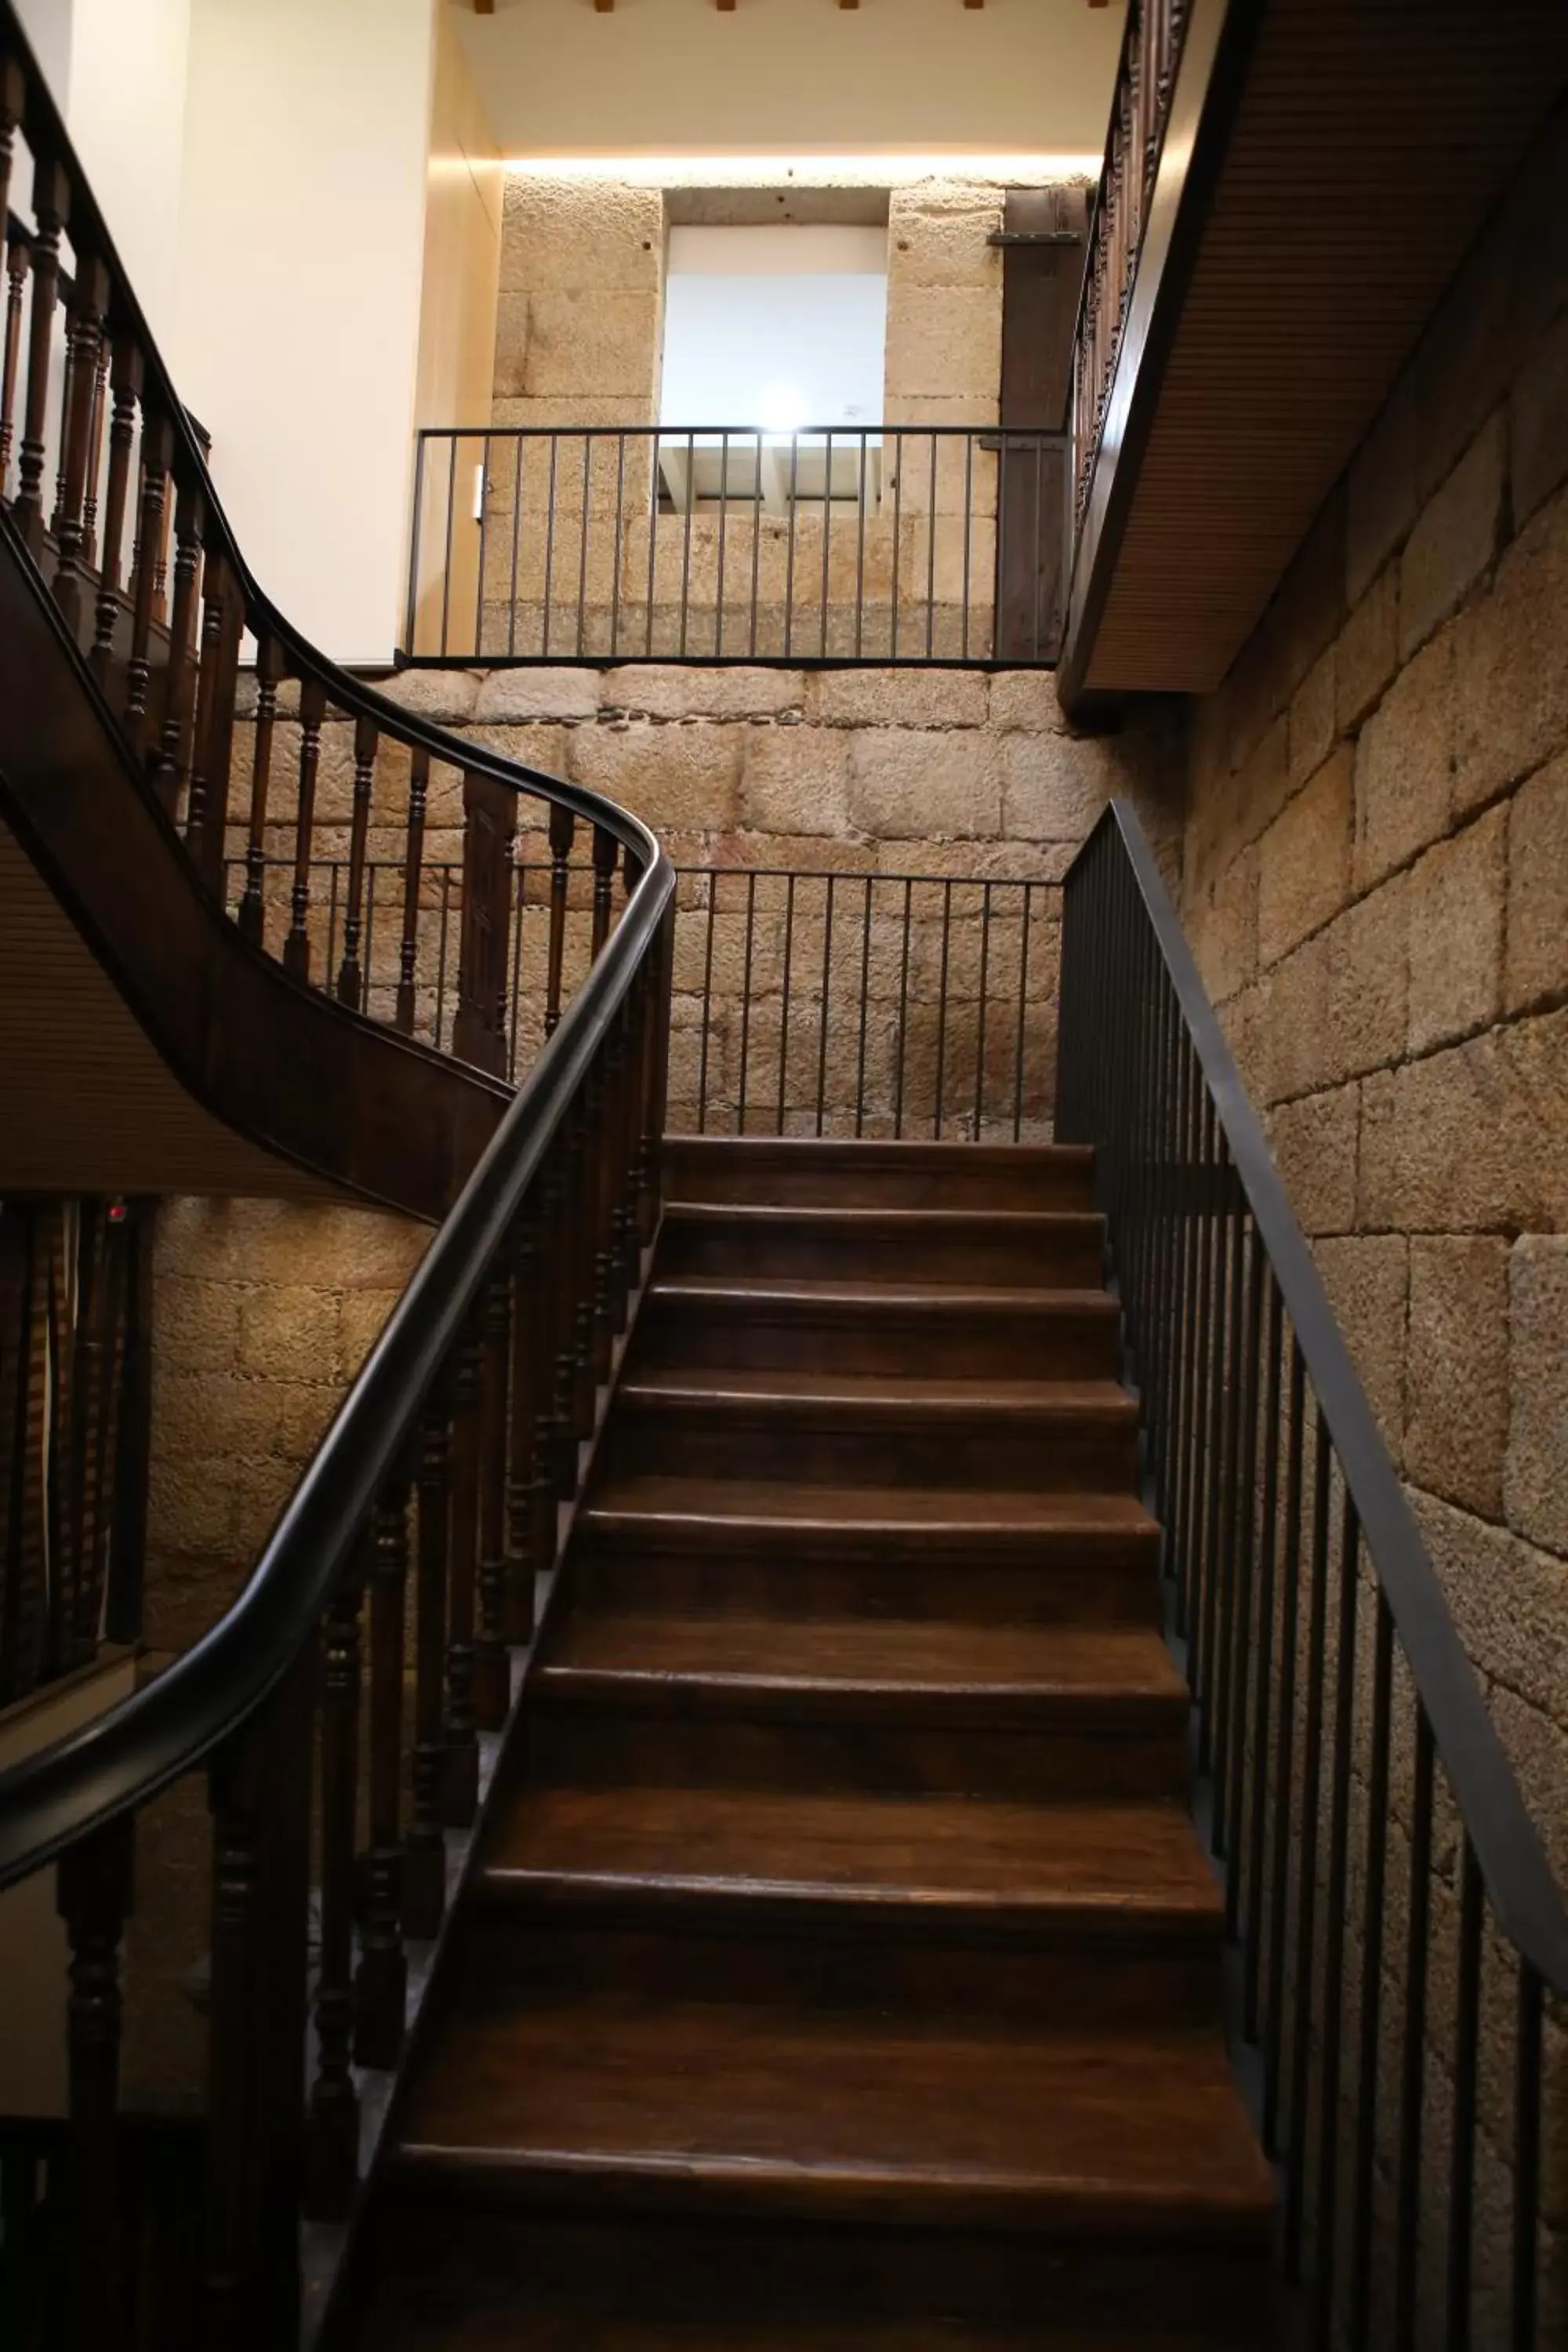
<point>1036,237</point>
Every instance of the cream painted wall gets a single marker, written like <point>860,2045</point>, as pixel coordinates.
<point>464,190</point>
<point>302,227</point>
<point>797,77</point>
<point>126,120</point>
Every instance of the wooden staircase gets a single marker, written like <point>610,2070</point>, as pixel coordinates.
<point>842,1965</point>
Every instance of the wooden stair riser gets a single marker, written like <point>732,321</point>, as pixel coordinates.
<point>1065,1251</point>
<point>835,1955</point>
<point>687,1330</point>
<point>843,2290</point>
<point>1116,1589</point>
<point>832,1443</point>
<point>606,1745</point>
<point>870,1175</point>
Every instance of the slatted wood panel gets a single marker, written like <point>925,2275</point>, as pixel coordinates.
<point>1370,143</point>
<point>89,1106</point>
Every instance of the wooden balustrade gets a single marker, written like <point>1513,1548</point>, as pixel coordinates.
<point>459,1443</point>
<point>1151,55</point>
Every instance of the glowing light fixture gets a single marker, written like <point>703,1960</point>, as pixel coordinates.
<point>780,408</point>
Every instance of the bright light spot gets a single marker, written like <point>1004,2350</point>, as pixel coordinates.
<point>780,408</point>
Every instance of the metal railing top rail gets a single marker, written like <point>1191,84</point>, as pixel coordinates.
<point>54,1799</point>
<point>1053,436</point>
<point>1525,1896</point>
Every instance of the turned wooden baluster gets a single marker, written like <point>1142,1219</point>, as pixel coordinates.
<point>236,1780</point>
<point>12,98</point>
<point>174,761</point>
<point>381,1986</point>
<point>18,259</point>
<point>223,626</point>
<point>125,391</point>
<point>562,825</point>
<point>412,865</point>
<point>567,1272</point>
<point>50,205</point>
<point>333,2163</point>
<point>529,1369</point>
<point>547,1485</point>
<point>312,712</point>
<point>660,967</point>
<point>606,850</point>
<point>461,1773</point>
<point>606,1192</point>
<point>351,976</point>
<point>490,827</point>
<point>95,452</point>
<point>628,1242</point>
<point>157,447</point>
<point>596,1096</point>
<point>84,343</point>
<point>425,1852</point>
<point>492,1670</point>
<point>252,905</point>
<point>94,1901</point>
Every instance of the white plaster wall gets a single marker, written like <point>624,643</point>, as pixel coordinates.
<point>126,116</point>
<point>47,25</point>
<point>302,238</point>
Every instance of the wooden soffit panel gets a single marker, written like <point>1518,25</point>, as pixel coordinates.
<point>1368,141</point>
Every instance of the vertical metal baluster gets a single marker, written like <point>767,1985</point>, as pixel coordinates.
<point>1037,543</point>
<point>941,1006</point>
<point>686,547</point>
<point>583,554</point>
<point>1252,1956</point>
<point>980,1027</point>
<point>550,537</point>
<point>826,537</point>
<point>1003,510</point>
<point>519,450</point>
<point>865,994</point>
<point>520,893</point>
<point>756,545</point>
<point>826,967</point>
<point>484,541</point>
<point>903,1010</point>
<point>897,533</point>
<point>860,556</point>
<point>616,554</point>
<point>1467,2062</point>
<point>1528,2059</point>
<point>1413,2067</point>
<point>1307,1880</point>
<point>1285,1755</point>
<point>441,953</point>
<point>1362,2218</point>
<point>446,563</point>
<point>723,529</point>
<point>931,558</point>
<point>968,529</point>
<point>411,611</point>
<point>707,1005</point>
<point>789,555</point>
<point>1236,1496</point>
<point>783,1010</point>
<point>746,1004</point>
<point>1023,1005</point>
<point>1335,1919</point>
<point>652,543</point>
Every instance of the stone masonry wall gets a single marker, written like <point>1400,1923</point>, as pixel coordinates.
<point>858,773</point>
<point>263,1311</point>
<point>1375,873</point>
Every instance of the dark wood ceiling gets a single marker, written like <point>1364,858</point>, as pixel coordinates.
<point>1368,140</point>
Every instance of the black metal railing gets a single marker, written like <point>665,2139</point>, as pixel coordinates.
<point>1404,1945</point>
<point>930,544</point>
<point>803,1003</point>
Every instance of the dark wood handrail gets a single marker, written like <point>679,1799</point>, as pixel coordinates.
<point>1525,1895</point>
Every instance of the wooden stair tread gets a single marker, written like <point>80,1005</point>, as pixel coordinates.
<point>861,2117</point>
<point>1129,1865</point>
<point>889,1394</point>
<point>897,1663</point>
<point>770,1293</point>
<point>749,1510</point>
<point>544,2326</point>
<point>874,1217</point>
